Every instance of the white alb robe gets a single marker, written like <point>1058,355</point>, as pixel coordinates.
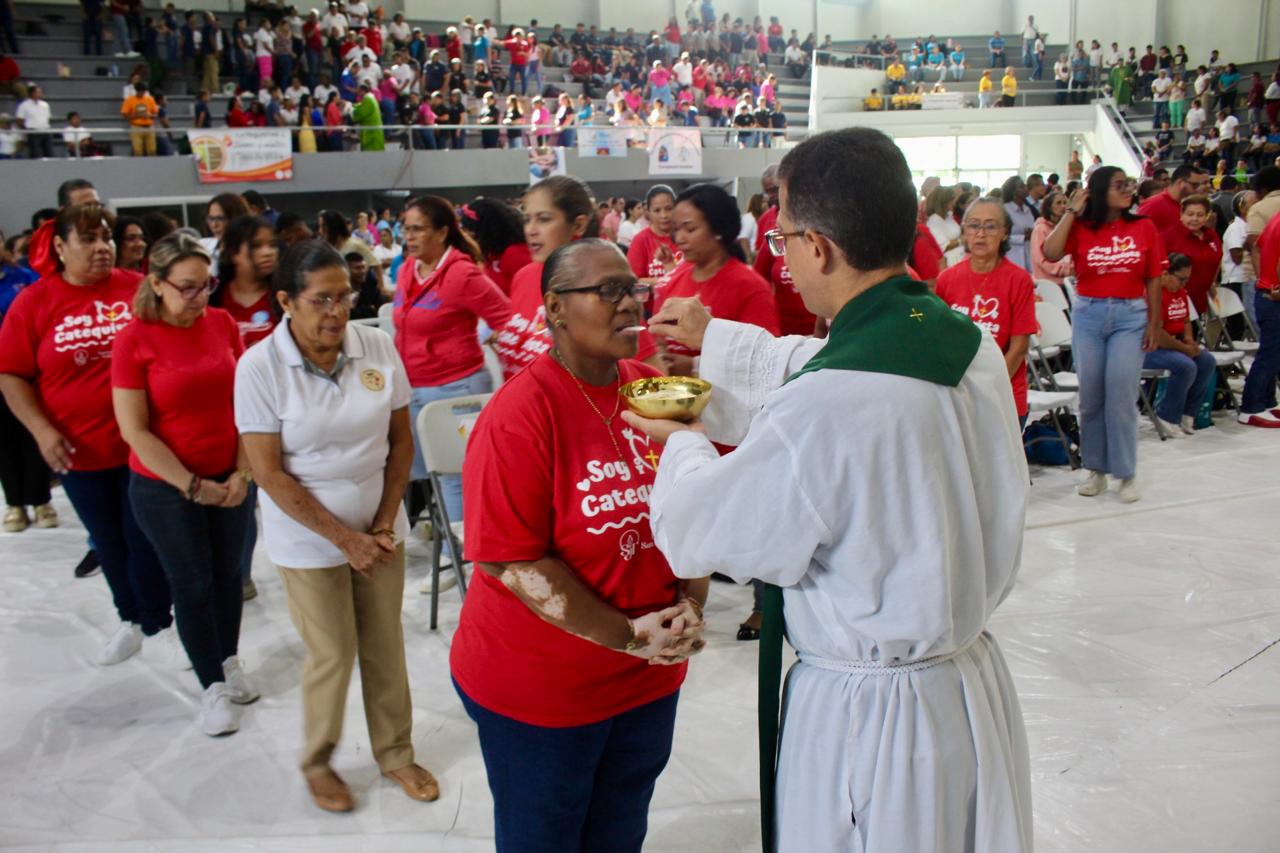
<point>890,510</point>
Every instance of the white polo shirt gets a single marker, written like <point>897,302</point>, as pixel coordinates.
<point>334,434</point>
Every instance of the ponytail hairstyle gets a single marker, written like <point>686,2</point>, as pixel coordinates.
<point>721,213</point>
<point>493,223</point>
<point>1095,209</point>
<point>572,198</point>
<point>439,212</point>
<point>165,253</point>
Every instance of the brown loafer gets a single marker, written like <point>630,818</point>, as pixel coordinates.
<point>416,782</point>
<point>330,793</point>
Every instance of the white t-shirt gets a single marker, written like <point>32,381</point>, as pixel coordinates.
<point>34,114</point>
<point>322,92</point>
<point>749,229</point>
<point>295,93</point>
<point>399,31</point>
<point>1095,57</point>
<point>1160,88</point>
<point>683,72</point>
<point>1273,91</point>
<point>357,14</point>
<point>1116,58</point>
<point>793,53</point>
<point>9,142</point>
<point>334,434</point>
<point>331,22</point>
<point>1233,238</point>
<point>1195,118</point>
<point>627,231</point>
<point>382,253</point>
<point>1227,128</point>
<point>74,135</point>
<point>371,74</point>
<point>263,42</point>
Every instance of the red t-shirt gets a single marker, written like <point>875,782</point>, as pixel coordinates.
<point>502,269</point>
<point>1001,303</point>
<point>58,336</point>
<point>1269,254</point>
<point>519,50</point>
<point>1162,209</point>
<point>543,478</point>
<point>643,255</point>
<point>526,336</point>
<point>926,254</point>
<point>735,292</point>
<point>436,318</point>
<point>793,317</point>
<point>1205,252</point>
<point>1115,261</point>
<point>766,223</point>
<point>1176,310</point>
<point>189,376</point>
<point>255,321</point>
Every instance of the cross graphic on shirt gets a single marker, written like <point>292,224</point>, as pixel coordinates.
<point>917,316</point>
<point>652,459</point>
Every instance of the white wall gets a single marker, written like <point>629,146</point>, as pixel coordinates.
<point>1128,22</point>
<point>1231,27</point>
<point>839,90</point>
<point>450,10</point>
<point>1046,153</point>
<point>549,12</point>
<point>1105,140</point>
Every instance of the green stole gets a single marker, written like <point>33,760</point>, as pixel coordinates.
<point>897,327</point>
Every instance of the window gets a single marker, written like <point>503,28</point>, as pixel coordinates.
<point>984,161</point>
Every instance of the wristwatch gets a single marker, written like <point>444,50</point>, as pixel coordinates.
<point>633,643</point>
<point>247,475</point>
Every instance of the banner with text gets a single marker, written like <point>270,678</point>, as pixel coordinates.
<point>241,154</point>
<point>602,142</point>
<point>675,151</point>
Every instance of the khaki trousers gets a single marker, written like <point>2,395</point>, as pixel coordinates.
<point>143,142</point>
<point>210,68</point>
<point>341,616</point>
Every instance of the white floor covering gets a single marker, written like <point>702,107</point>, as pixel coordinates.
<point>1142,639</point>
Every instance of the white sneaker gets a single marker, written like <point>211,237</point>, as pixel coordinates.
<point>448,579</point>
<point>1129,491</point>
<point>217,714</point>
<point>1188,424</point>
<point>164,649</point>
<point>124,644</point>
<point>238,685</point>
<point>1096,484</point>
<point>1171,430</point>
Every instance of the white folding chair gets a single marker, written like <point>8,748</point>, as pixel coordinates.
<point>1052,293</point>
<point>1053,339</point>
<point>443,428</point>
<point>384,319</point>
<point>1223,360</point>
<point>1228,304</point>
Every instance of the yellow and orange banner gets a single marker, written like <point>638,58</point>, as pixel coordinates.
<point>225,155</point>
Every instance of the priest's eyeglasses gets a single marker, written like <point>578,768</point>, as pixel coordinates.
<point>777,240</point>
<point>613,292</point>
<point>189,292</point>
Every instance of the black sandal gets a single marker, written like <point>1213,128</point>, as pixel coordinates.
<point>747,633</point>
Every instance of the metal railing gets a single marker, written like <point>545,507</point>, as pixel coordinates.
<point>972,99</point>
<point>410,136</point>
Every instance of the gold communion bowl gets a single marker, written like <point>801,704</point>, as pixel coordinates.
<point>668,398</point>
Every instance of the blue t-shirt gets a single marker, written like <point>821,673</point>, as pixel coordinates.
<point>957,57</point>
<point>12,280</point>
<point>935,58</point>
<point>996,45</point>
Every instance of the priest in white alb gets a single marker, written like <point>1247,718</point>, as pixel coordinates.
<point>880,482</point>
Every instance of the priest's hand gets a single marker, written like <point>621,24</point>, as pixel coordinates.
<point>681,319</point>
<point>661,430</point>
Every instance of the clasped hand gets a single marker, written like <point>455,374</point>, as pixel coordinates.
<point>669,636</point>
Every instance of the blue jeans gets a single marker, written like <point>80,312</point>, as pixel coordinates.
<point>582,788</point>
<point>1260,385</point>
<point>1162,114</point>
<point>479,382</point>
<point>129,563</point>
<point>1106,343</point>
<point>91,33</point>
<point>1188,379</point>
<point>518,71</point>
<point>120,28</point>
<point>535,76</point>
<point>1248,295</point>
<point>200,549</point>
<point>426,138</point>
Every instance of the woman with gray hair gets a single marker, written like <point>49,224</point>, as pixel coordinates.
<point>172,376</point>
<point>572,603</point>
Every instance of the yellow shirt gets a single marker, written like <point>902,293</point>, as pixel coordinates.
<point>984,84</point>
<point>897,71</point>
<point>1009,85</point>
<point>875,102</point>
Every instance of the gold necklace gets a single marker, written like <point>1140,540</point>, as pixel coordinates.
<point>617,403</point>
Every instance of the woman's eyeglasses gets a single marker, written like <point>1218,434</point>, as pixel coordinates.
<point>982,227</point>
<point>613,292</point>
<point>190,292</point>
<point>777,240</point>
<point>327,304</point>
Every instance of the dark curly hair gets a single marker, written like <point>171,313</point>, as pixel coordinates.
<point>721,213</point>
<point>494,224</point>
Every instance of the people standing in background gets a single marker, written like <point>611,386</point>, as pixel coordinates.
<point>653,253</point>
<point>1237,262</point>
<point>245,269</point>
<point>1052,207</point>
<point>1118,259</point>
<point>173,374</point>
<point>1022,219</point>
<point>1195,238</point>
<point>63,398</point>
<point>441,294</point>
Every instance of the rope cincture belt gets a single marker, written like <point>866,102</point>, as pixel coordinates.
<point>769,696</point>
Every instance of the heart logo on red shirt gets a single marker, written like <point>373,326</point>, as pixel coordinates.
<point>985,308</point>
<point>113,312</point>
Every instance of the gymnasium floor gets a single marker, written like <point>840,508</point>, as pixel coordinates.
<point>1142,639</point>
